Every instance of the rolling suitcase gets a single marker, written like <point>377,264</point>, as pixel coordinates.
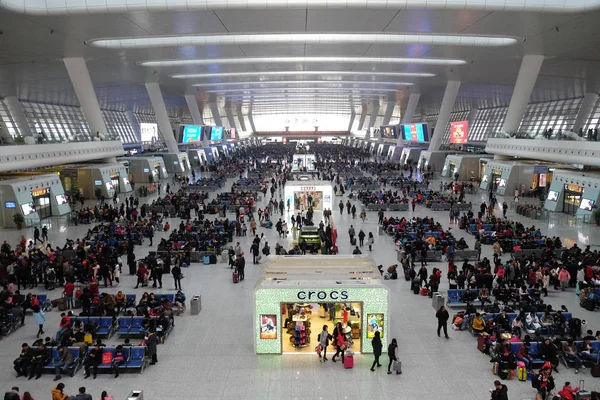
<point>236,277</point>
<point>595,370</point>
<point>495,368</point>
<point>349,359</point>
<point>521,374</point>
<point>424,291</point>
<point>481,339</point>
<point>353,241</point>
<point>206,260</point>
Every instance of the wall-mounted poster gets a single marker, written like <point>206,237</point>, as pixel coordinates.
<point>268,326</point>
<point>375,323</point>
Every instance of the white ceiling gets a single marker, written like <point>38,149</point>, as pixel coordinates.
<point>32,48</point>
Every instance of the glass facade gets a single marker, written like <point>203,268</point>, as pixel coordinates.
<point>556,115</point>
<point>118,124</point>
<point>10,124</point>
<point>56,122</point>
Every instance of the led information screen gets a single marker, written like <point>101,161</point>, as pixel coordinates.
<point>459,132</point>
<point>415,132</point>
<point>191,134</point>
<point>216,133</point>
<point>388,132</point>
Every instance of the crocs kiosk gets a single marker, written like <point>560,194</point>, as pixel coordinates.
<point>297,192</point>
<point>467,166</point>
<point>573,192</point>
<point>295,296</point>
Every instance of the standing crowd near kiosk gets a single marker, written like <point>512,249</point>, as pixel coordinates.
<point>296,296</point>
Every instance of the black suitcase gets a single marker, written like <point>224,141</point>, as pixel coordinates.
<point>353,241</point>
<point>479,215</point>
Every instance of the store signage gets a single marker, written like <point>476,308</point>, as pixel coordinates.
<point>459,132</point>
<point>538,169</point>
<point>322,295</point>
<point>307,188</point>
<point>542,180</point>
<point>573,188</point>
<point>39,192</point>
<point>10,204</point>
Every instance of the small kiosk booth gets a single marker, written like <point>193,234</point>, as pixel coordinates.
<point>410,155</point>
<point>176,163</point>
<point>35,198</point>
<point>433,159</point>
<point>573,193</point>
<point>109,178</point>
<point>506,177</point>
<point>197,157</point>
<point>142,168</point>
<point>297,193</point>
<point>296,295</point>
<point>467,166</point>
<point>303,163</point>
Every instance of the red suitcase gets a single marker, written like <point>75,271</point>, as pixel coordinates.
<point>236,277</point>
<point>481,339</point>
<point>349,361</point>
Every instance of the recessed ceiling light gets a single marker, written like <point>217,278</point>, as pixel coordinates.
<point>144,42</point>
<point>329,83</point>
<point>303,89</point>
<point>44,7</point>
<point>287,60</point>
<point>286,73</point>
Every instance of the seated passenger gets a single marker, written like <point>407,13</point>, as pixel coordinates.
<point>479,324</point>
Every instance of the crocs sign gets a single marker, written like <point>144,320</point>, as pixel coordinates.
<point>322,295</point>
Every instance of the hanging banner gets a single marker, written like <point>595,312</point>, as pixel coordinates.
<point>459,132</point>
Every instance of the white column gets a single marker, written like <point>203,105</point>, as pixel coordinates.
<point>352,118</point>
<point>16,111</point>
<point>389,110</point>
<point>363,116</point>
<point>588,103</point>
<point>84,89</point>
<point>134,125</point>
<point>229,114</point>
<point>192,104</point>
<point>240,117</point>
<point>411,107</point>
<point>251,119</point>
<point>374,113</point>
<point>450,94</point>
<point>528,73</point>
<point>162,118</point>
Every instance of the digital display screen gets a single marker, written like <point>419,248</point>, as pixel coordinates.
<point>148,132</point>
<point>553,195</point>
<point>191,134</point>
<point>375,325</point>
<point>10,204</point>
<point>232,133</point>
<point>587,204</point>
<point>98,183</point>
<point>216,133</point>
<point>459,132</point>
<point>61,199</point>
<point>502,183</point>
<point>146,169</point>
<point>108,185</point>
<point>28,208</point>
<point>126,181</point>
<point>415,132</point>
<point>485,178</point>
<point>388,132</point>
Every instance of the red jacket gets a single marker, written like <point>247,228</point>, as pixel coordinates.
<point>567,393</point>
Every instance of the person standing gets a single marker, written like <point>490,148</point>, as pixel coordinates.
<point>370,241</point>
<point>500,391</point>
<point>504,209</point>
<point>324,338</point>
<point>442,317</point>
<point>393,355</point>
<point>44,233</point>
<point>240,264</point>
<point>36,235</point>
<point>361,238</point>
<point>176,272</point>
<point>340,342</point>
<point>151,344</point>
<point>377,347</point>
<point>39,317</point>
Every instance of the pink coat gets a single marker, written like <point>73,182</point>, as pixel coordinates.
<point>564,275</point>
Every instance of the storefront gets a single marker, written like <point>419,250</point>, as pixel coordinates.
<point>572,198</point>
<point>147,169</point>
<point>294,300</point>
<point>114,180</point>
<point>176,162</point>
<point>301,194</point>
<point>506,177</point>
<point>468,167</point>
<point>573,192</point>
<point>410,155</point>
<point>304,163</point>
<point>41,202</point>
<point>542,178</point>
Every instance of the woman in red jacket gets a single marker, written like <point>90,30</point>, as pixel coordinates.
<point>567,392</point>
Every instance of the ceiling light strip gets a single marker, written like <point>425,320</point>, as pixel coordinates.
<point>300,90</point>
<point>300,60</point>
<point>288,73</point>
<point>144,42</point>
<point>302,82</point>
<point>43,7</point>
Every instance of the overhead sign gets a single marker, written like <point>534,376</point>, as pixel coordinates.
<point>148,132</point>
<point>39,192</point>
<point>459,132</point>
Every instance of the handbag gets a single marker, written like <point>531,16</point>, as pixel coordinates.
<point>397,366</point>
<point>107,357</point>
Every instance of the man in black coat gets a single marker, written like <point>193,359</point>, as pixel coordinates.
<point>93,359</point>
<point>500,392</point>
<point>39,361</point>
<point>21,364</point>
<point>442,317</point>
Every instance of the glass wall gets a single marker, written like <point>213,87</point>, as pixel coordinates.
<point>10,124</point>
<point>118,124</point>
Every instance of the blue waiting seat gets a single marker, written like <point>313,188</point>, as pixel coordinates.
<point>454,297</point>
<point>124,325</point>
<point>41,298</point>
<point>105,327</point>
<point>102,366</point>
<point>74,366</point>
<point>137,358</point>
<point>130,298</point>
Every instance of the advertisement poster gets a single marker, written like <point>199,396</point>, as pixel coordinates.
<point>414,132</point>
<point>375,322</point>
<point>459,132</point>
<point>542,180</point>
<point>148,131</point>
<point>268,326</point>
<point>191,134</point>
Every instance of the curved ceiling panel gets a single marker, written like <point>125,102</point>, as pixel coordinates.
<point>295,73</point>
<point>146,42</point>
<point>327,83</point>
<point>44,7</point>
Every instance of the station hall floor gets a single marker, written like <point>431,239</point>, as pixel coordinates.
<point>211,355</point>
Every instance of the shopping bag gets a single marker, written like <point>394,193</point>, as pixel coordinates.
<point>107,357</point>
<point>318,350</point>
<point>397,366</point>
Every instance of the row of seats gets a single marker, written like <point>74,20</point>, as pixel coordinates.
<point>132,327</point>
<point>104,325</point>
<point>389,207</point>
<point>134,358</point>
<point>534,352</point>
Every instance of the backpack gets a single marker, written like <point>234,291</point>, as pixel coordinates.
<point>536,382</point>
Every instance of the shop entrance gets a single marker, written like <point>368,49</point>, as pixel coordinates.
<point>451,169</point>
<point>41,201</point>
<point>114,181</point>
<point>304,322</point>
<point>156,171</point>
<point>301,200</point>
<point>572,198</point>
<point>496,175</point>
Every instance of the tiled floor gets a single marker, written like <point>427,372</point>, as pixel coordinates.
<point>211,356</point>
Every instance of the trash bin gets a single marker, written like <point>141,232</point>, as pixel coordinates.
<point>196,305</point>
<point>438,300</point>
<point>225,257</point>
<point>136,395</point>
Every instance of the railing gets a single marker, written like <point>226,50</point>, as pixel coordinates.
<point>39,139</point>
<point>547,135</point>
